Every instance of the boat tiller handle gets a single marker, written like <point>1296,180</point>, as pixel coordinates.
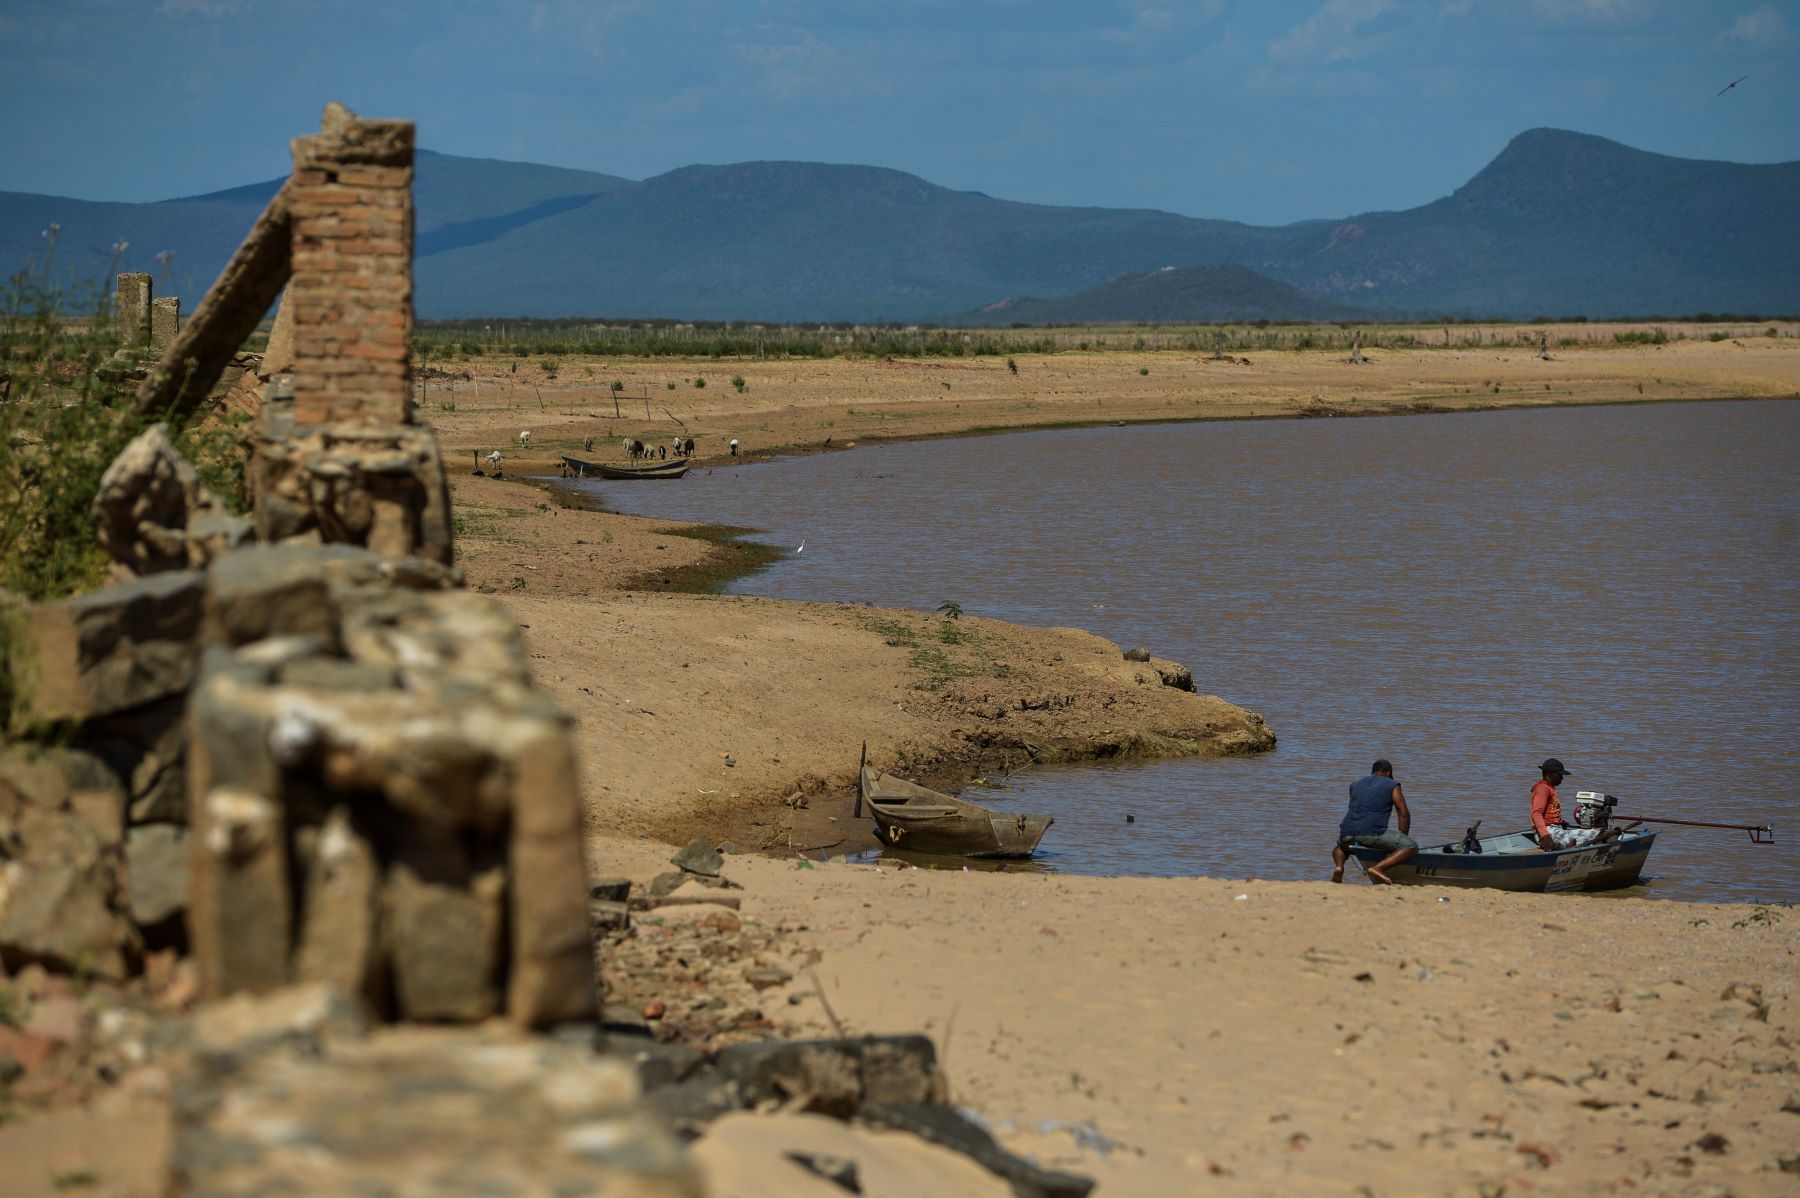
<point>1759,833</point>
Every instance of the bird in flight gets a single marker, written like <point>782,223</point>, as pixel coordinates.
<point>1733,84</point>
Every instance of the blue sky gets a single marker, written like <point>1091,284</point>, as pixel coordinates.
<point>1263,112</point>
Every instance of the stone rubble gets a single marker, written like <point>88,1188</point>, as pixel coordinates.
<point>689,964</point>
<point>154,514</point>
<point>61,866</point>
<point>350,715</point>
<point>364,724</point>
<point>699,856</point>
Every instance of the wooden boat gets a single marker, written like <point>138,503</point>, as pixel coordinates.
<point>909,816</point>
<point>1514,862</point>
<point>673,468</point>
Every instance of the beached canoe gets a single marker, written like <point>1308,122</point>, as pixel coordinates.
<point>909,816</point>
<point>1514,862</point>
<point>673,468</point>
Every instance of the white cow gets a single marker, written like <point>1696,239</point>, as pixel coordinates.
<point>525,439</point>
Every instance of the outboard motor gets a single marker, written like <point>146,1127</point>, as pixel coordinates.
<point>1471,841</point>
<point>1593,809</point>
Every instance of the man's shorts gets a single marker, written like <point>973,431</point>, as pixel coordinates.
<point>1572,838</point>
<point>1389,841</point>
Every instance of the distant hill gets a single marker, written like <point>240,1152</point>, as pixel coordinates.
<point>1173,295</point>
<point>460,201</point>
<point>805,241</point>
<point>1558,224</point>
<point>1567,223</point>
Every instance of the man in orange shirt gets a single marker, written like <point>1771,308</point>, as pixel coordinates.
<point>1546,812</point>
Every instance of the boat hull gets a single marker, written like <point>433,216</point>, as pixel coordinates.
<point>581,469</point>
<point>909,816</point>
<point>999,834</point>
<point>1512,862</point>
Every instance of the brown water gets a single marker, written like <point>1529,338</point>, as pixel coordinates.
<point>1464,594</point>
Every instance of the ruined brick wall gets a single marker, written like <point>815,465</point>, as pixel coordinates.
<point>378,799</point>
<point>337,456</point>
<point>351,289</point>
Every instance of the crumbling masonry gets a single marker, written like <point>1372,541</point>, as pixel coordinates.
<point>338,457</point>
<point>295,744</point>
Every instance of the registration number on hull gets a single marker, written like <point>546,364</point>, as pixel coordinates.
<point>1571,872</point>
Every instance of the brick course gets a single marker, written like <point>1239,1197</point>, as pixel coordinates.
<point>351,292</point>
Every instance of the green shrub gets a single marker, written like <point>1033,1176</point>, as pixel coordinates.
<point>737,380</point>
<point>66,410</point>
<point>62,422</point>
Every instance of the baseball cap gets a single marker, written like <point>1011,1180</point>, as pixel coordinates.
<point>1553,766</point>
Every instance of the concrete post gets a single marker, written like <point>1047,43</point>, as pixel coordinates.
<point>134,310</point>
<point>165,322</point>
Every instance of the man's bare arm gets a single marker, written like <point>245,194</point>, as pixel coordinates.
<point>1400,807</point>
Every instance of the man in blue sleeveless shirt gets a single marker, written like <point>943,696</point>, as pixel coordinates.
<point>1366,824</point>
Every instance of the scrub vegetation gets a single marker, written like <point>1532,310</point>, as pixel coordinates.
<point>549,339</point>
<point>65,413</point>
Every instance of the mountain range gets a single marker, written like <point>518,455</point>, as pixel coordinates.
<point>1558,224</point>
<point>1173,295</point>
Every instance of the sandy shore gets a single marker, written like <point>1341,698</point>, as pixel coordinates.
<point>1164,1035</point>
<point>1195,1035</point>
<point>799,405</point>
<point>703,714</point>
